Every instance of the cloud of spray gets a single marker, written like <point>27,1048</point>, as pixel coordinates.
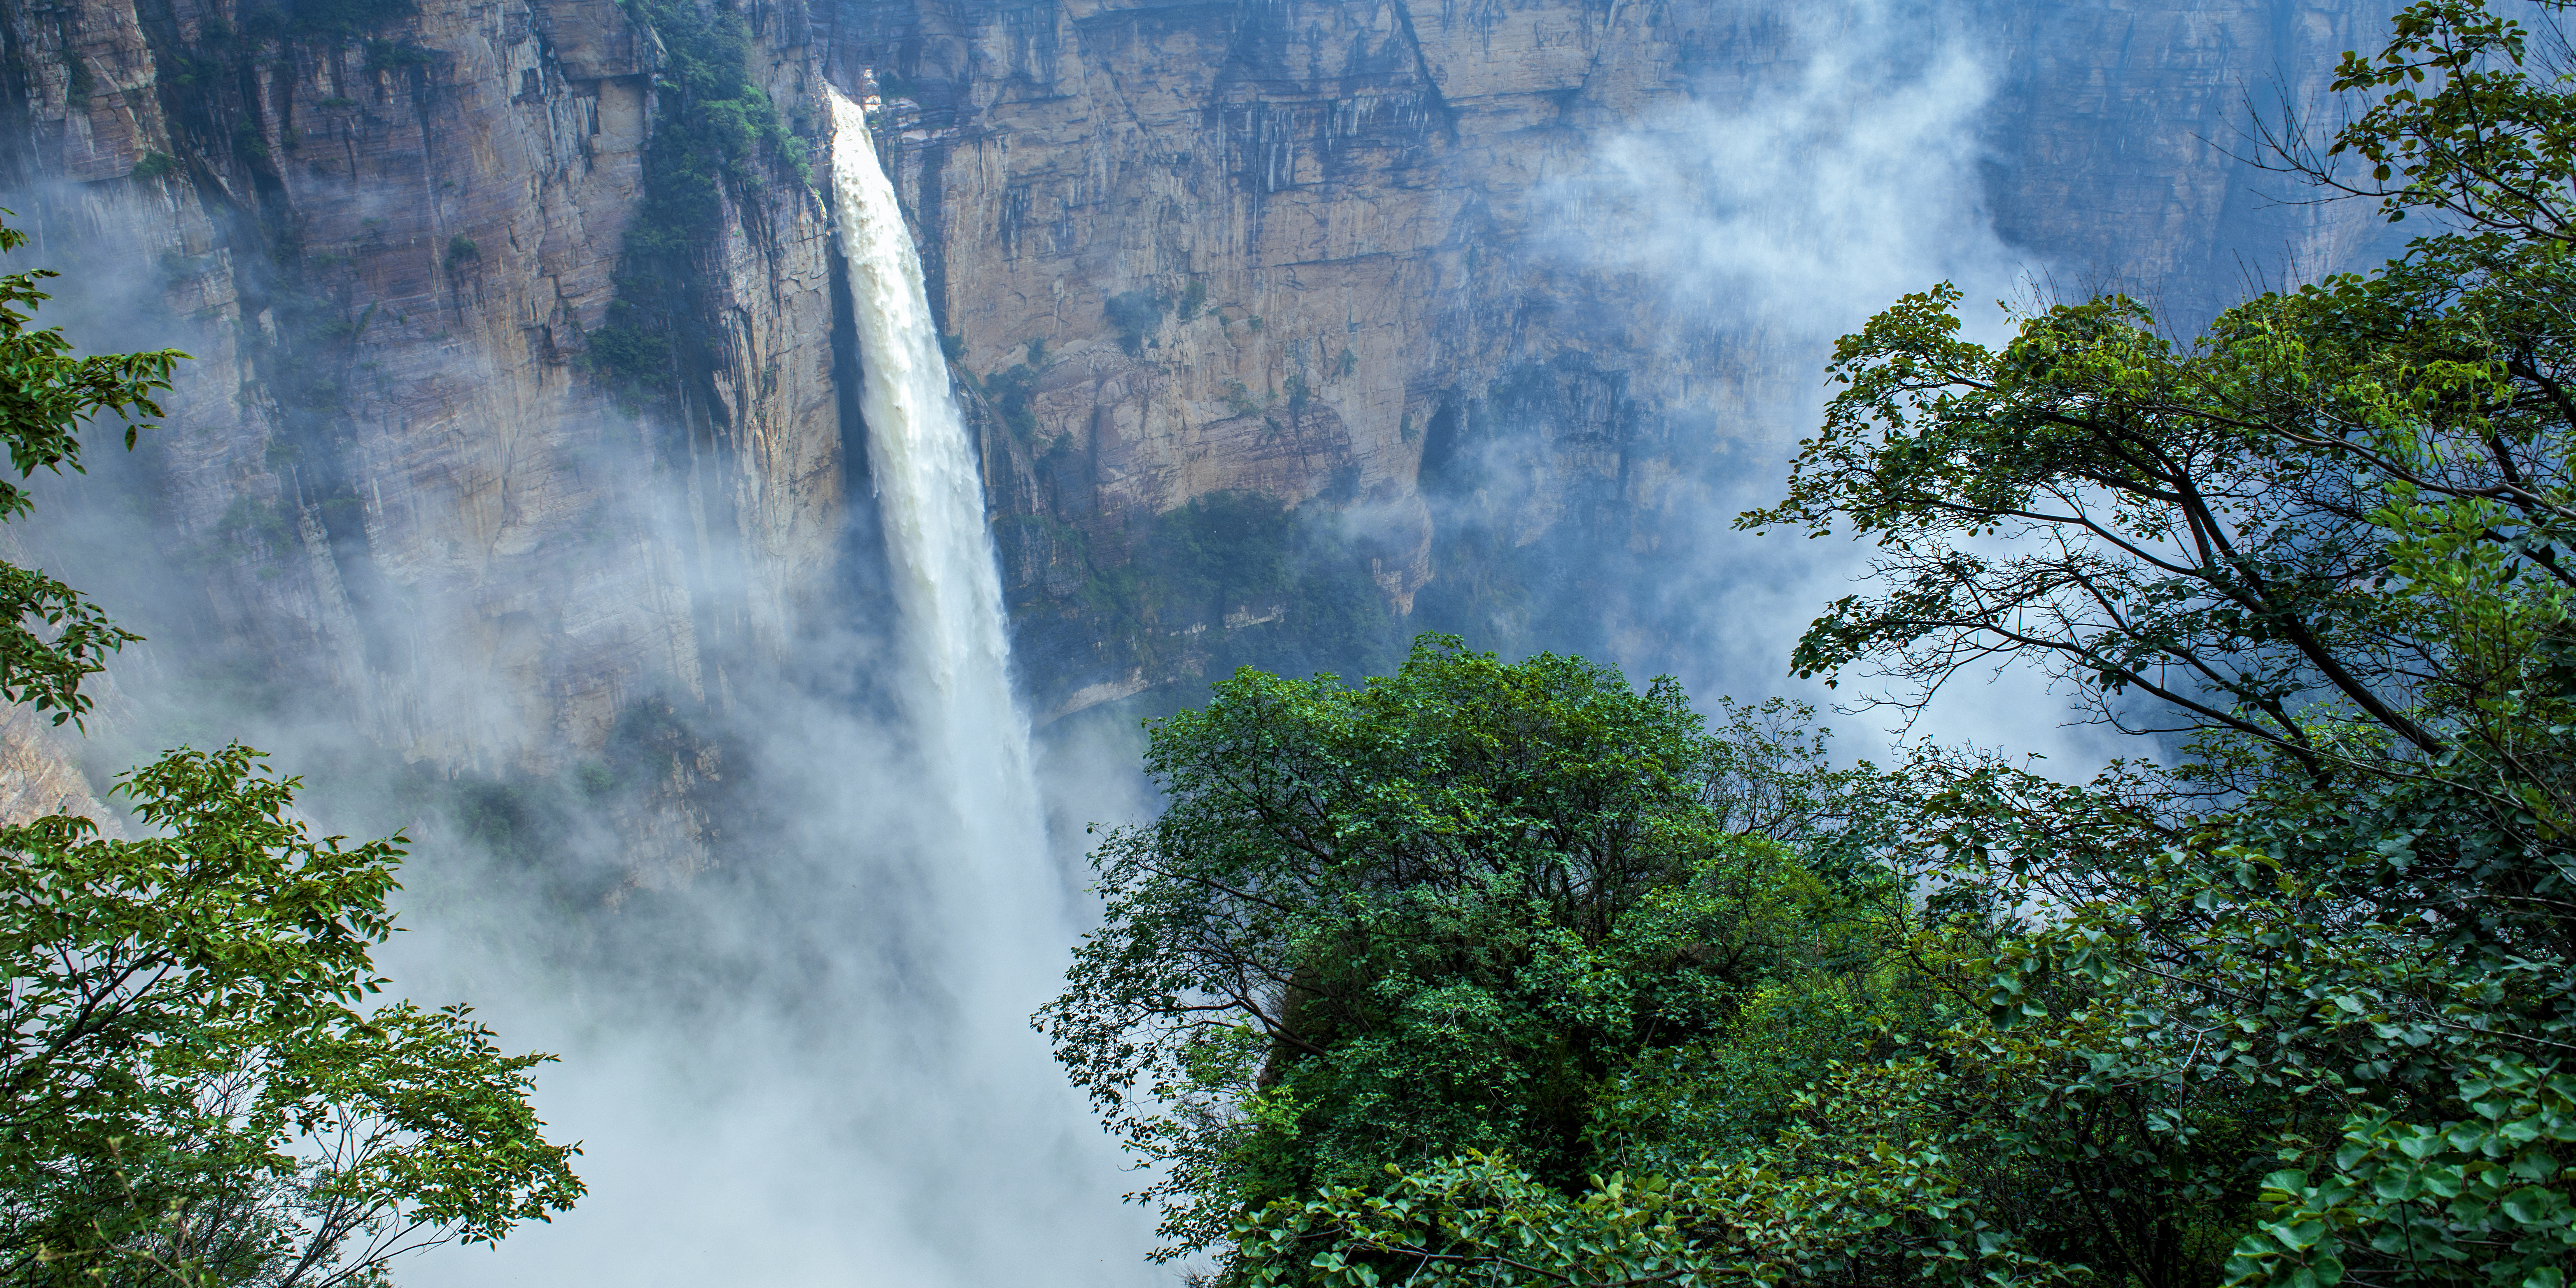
<point>907,1126</point>
<point>1750,229</point>
<point>808,1063</point>
<point>1848,176</point>
<point>809,1066</point>
<point>1737,237</point>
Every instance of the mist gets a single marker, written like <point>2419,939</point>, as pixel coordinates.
<point>1731,242</point>
<point>907,1110</point>
<point>807,1060</point>
<point>783,934</point>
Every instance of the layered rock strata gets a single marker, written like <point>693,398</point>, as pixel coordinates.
<point>1312,249</point>
<point>391,482</point>
<point>1273,282</point>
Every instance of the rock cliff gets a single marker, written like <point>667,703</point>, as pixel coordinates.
<point>1277,315</point>
<point>1316,251</point>
<point>392,486</point>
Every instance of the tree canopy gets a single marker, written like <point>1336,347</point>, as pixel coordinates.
<point>199,1085</point>
<point>1431,914</point>
<point>2288,998</point>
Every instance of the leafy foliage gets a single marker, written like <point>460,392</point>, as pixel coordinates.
<point>2327,541</point>
<point>2491,145</point>
<point>191,1095</point>
<point>720,124</point>
<point>46,397</point>
<point>1851,1193</point>
<point>1391,923</point>
<point>717,130</point>
<point>2296,1010</point>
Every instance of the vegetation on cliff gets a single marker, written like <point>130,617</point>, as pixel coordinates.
<point>1505,974</point>
<point>196,1085</point>
<point>716,132</point>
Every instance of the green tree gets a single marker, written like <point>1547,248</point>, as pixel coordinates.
<point>196,1085</point>
<point>1444,911</point>
<point>196,1092</point>
<point>1937,1143</point>
<point>2298,1010</point>
<point>2330,530</point>
<point>46,396</point>
<point>2329,541</point>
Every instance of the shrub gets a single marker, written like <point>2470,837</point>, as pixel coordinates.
<point>1135,315</point>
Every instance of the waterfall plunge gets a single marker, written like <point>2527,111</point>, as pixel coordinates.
<point>861,1101</point>
<point>974,737</point>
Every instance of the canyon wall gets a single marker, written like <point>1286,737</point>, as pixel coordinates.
<point>391,491</point>
<point>1276,315</point>
<point>1320,251</point>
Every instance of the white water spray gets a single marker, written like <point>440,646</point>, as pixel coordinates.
<point>871,1109</point>
<point>931,492</point>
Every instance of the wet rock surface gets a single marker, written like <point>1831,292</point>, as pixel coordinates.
<point>1318,250</point>
<point>1293,286</point>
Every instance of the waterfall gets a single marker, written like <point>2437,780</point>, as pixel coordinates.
<point>1032,1165</point>
<point>860,1101</point>
<point>947,584</point>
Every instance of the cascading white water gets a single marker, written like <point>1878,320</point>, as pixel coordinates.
<point>999,903</point>
<point>867,1106</point>
<point>930,491</point>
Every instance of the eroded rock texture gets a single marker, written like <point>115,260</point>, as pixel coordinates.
<point>1318,250</point>
<point>390,488</point>
<point>1286,321</point>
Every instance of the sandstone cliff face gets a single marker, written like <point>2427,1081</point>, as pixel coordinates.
<point>390,485</point>
<point>2124,143</point>
<point>1314,249</point>
<point>1292,286</point>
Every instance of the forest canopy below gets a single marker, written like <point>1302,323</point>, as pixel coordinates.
<point>1508,973</point>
